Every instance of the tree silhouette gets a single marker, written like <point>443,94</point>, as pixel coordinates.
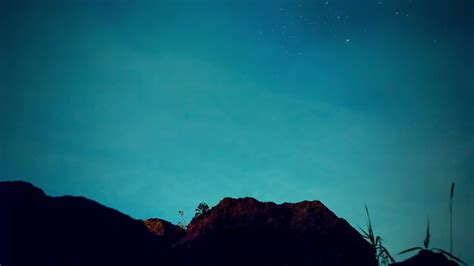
<point>202,208</point>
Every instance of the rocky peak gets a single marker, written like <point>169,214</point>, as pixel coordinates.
<point>296,217</point>
<point>157,226</point>
<point>165,230</point>
<point>265,233</point>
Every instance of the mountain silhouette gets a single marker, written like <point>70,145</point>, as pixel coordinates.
<point>36,229</point>
<point>248,232</point>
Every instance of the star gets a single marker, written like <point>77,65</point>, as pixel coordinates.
<point>348,40</point>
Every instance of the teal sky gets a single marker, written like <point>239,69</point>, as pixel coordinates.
<point>153,107</point>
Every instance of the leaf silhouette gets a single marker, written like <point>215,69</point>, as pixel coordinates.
<point>450,255</point>
<point>409,250</point>
<point>426,243</point>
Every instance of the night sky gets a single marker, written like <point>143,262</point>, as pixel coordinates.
<point>153,107</point>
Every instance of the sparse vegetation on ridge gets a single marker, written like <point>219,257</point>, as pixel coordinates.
<point>201,209</point>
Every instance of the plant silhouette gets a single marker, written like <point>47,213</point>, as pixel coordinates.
<point>201,209</point>
<point>426,244</point>
<point>451,218</point>
<point>181,223</point>
<point>382,255</point>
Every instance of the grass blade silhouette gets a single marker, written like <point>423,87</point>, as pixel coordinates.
<point>409,250</point>
<point>369,227</point>
<point>383,257</point>
<point>426,243</point>
<point>388,254</point>
<point>451,218</point>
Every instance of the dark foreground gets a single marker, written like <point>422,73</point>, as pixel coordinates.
<point>36,229</point>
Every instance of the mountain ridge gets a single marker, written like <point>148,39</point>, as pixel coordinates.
<point>38,229</point>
